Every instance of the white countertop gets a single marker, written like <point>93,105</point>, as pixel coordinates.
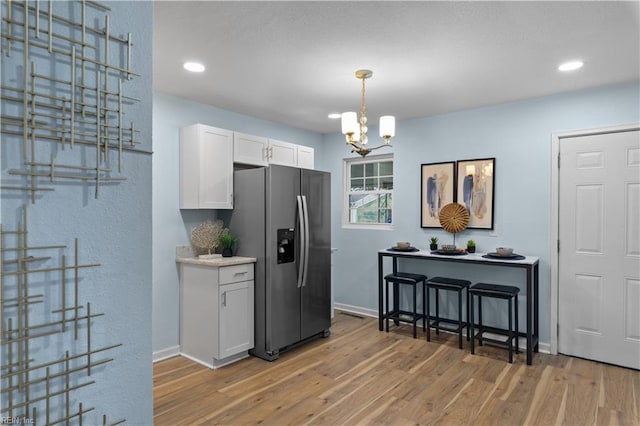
<point>217,262</point>
<point>478,257</point>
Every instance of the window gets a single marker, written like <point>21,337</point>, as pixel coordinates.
<point>368,192</point>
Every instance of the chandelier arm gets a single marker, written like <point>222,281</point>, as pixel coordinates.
<point>379,146</point>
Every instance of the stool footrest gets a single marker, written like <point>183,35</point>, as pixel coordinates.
<point>503,344</point>
<point>433,321</point>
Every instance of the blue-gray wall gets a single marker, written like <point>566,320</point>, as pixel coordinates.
<point>113,230</point>
<point>172,226</point>
<point>518,135</point>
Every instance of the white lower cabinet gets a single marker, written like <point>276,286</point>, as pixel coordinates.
<point>216,313</point>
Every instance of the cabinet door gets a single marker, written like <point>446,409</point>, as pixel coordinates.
<point>206,168</point>
<point>216,168</point>
<point>236,318</point>
<point>249,149</point>
<point>305,157</point>
<point>198,320</point>
<point>283,153</point>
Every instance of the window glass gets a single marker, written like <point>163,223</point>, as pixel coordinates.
<point>369,195</point>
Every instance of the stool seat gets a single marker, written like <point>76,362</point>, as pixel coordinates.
<point>405,277</point>
<point>398,315</point>
<point>496,291</point>
<point>449,284</point>
<point>444,282</point>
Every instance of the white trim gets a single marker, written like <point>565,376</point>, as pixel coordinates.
<point>356,310</point>
<point>555,212</point>
<point>379,227</point>
<point>166,353</point>
<point>199,361</point>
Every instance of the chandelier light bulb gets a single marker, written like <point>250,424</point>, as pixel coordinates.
<point>387,126</point>
<point>349,122</point>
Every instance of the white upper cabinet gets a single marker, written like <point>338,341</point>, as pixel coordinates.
<point>283,153</point>
<point>249,149</point>
<point>305,157</point>
<point>260,151</point>
<point>206,167</point>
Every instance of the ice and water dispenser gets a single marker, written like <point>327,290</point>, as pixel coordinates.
<point>286,245</point>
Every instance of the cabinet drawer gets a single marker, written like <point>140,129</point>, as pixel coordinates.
<point>236,273</point>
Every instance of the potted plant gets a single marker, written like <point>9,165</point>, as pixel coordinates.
<point>227,240</point>
<point>433,243</point>
<point>471,246</point>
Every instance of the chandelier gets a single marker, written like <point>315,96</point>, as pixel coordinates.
<point>355,130</point>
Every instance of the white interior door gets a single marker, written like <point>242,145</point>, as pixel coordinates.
<point>599,254</point>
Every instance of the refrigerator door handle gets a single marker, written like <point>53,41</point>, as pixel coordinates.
<point>302,240</point>
<point>306,239</point>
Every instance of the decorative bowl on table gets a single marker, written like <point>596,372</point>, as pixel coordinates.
<point>504,251</point>
<point>403,245</point>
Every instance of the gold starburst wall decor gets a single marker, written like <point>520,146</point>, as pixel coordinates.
<point>454,218</point>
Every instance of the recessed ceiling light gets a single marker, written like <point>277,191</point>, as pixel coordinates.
<point>193,66</point>
<point>334,115</point>
<point>570,66</point>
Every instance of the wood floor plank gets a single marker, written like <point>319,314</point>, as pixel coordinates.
<point>346,409</point>
<point>362,376</point>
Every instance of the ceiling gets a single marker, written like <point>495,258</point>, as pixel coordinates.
<point>294,62</point>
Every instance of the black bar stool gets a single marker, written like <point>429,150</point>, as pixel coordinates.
<point>405,278</point>
<point>449,284</point>
<point>495,291</point>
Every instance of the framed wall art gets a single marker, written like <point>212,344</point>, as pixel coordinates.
<point>437,189</point>
<point>475,190</point>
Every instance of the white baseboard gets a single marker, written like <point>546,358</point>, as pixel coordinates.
<point>544,348</point>
<point>356,310</point>
<point>166,353</point>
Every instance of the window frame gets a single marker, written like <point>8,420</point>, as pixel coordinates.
<point>346,191</point>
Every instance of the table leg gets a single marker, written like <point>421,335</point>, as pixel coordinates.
<point>530,302</point>
<point>396,290</point>
<point>536,306</point>
<point>380,301</point>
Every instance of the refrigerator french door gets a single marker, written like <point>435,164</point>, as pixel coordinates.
<point>282,217</point>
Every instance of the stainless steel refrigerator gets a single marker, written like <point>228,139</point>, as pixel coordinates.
<point>281,216</point>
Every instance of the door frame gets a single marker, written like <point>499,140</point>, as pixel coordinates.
<point>556,137</point>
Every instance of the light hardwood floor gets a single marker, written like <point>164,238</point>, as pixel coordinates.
<point>360,375</point>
